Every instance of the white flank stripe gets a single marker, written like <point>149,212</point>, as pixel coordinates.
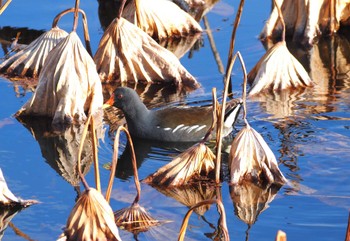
<point>178,127</point>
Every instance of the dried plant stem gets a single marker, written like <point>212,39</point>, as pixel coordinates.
<point>281,236</point>
<point>280,16</point>
<point>2,8</point>
<point>114,165</point>
<point>19,232</point>
<point>214,117</point>
<point>233,37</point>
<point>121,7</point>
<point>85,26</point>
<point>76,15</point>
<point>212,45</point>
<point>89,122</point>
<point>223,224</point>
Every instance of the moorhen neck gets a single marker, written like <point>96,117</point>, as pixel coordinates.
<point>170,124</point>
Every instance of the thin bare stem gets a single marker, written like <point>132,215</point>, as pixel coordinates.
<point>233,36</point>
<point>221,118</point>
<point>76,15</point>
<point>95,153</point>
<point>3,7</point>
<point>83,137</point>
<point>280,16</point>
<point>114,165</point>
<point>214,116</point>
<point>223,225</point>
<point>213,46</point>
<point>244,97</point>
<point>121,8</point>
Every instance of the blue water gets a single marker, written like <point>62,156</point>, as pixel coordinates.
<point>310,138</point>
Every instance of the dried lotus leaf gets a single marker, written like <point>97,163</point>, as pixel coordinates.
<point>277,70</point>
<point>195,162</point>
<point>91,219</point>
<point>161,19</point>
<point>68,85</point>
<point>252,159</point>
<point>30,60</point>
<point>127,54</point>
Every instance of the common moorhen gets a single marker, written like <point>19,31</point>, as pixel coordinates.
<point>171,124</point>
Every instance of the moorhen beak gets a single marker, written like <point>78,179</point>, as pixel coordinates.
<point>109,102</point>
<point>170,124</point>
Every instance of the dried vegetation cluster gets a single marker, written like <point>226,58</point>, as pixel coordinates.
<point>69,90</point>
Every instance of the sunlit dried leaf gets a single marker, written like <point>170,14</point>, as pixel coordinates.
<point>29,61</point>
<point>135,219</point>
<point>250,200</point>
<point>161,19</point>
<point>306,20</point>
<point>194,163</point>
<point>7,198</point>
<point>252,159</point>
<point>68,85</point>
<point>127,54</point>
<point>91,219</point>
<point>277,70</point>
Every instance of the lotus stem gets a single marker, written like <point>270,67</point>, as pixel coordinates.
<point>2,8</point>
<point>114,165</point>
<point>83,136</point>
<point>121,8</point>
<point>221,208</point>
<point>280,16</point>
<point>214,117</point>
<point>233,37</point>
<point>212,45</point>
<point>76,15</point>
<point>95,153</point>
<point>85,26</point>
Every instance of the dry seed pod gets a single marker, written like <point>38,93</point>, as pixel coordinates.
<point>161,19</point>
<point>127,54</point>
<point>68,85</point>
<point>91,219</point>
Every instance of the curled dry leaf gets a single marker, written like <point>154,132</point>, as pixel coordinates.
<point>68,85</point>
<point>251,159</point>
<point>194,163</point>
<point>161,19</point>
<point>8,199</point>
<point>135,219</point>
<point>277,70</point>
<point>250,200</point>
<point>127,54</point>
<point>91,219</point>
<point>306,19</point>
<point>30,60</point>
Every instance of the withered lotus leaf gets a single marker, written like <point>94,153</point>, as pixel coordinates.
<point>277,70</point>
<point>7,198</point>
<point>30,60</point>
<point>68,85</point>
<point>252,159</point>
<point>195,162</point>
<point>127,54</point>
<point>91,219</point>
<point>161,19</point>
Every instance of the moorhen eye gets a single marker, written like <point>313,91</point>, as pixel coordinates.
<point>119,96</point>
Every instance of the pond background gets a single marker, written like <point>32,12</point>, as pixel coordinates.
<point>307,131</point>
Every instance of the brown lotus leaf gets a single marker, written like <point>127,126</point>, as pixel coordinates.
<point>30,60</point>
<point>135,219</point>
<point>161,19</point>
<point>194,163</point>
<point>91,219</point>
<point>306,19</point>
<point>68,85</point>
<point>127,54</point>
<point>8,199</point>
<point>277,70</point>
<point>252,159</point>
<point>250,200</point>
